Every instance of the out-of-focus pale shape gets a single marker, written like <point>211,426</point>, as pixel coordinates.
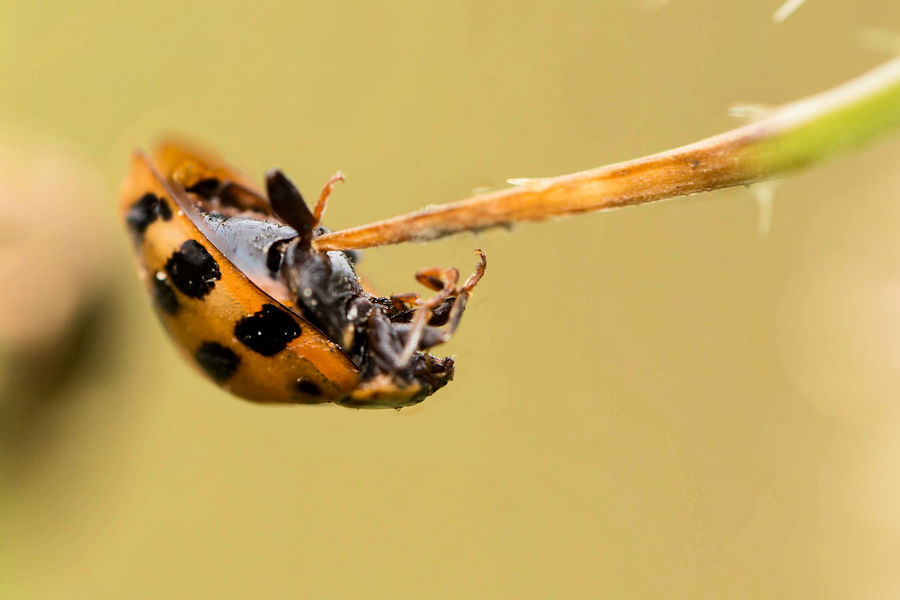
<point>655,4</point>
<point>535,183</point>
<point>764,191</point>
<point>764,194</point>
<point>749,111</point>
<point>786,10</point>
<point>875,483</point>
<point>519,180</point>
<point>879,40</point>
<point>51,240</point>
<point>840,339</point>
<point>839,318</point>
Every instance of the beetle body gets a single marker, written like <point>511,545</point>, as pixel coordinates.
<point>239,285</point>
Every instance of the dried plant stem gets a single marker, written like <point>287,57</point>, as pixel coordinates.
<point>789,138</point>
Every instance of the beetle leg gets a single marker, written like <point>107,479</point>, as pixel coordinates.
<point>405,301</point>
<point>437,278</point>
<point>392,349</point>
<point>462,296</point>
<point>319,211</point>
<point>395,343</point>
<point>383,341</point>
<point>444,280</point>
<point>475,277</point>
<point>441,280</point>
<point>433,336</point>
<point>417,328</point>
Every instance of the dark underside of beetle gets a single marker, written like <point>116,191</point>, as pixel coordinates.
<point>378,334</point>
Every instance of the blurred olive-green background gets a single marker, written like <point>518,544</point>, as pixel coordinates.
<point>653,402</point>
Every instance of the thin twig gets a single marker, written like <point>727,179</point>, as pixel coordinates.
<point>792,137</point>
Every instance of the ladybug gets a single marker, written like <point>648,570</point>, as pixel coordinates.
<point>238,282</point>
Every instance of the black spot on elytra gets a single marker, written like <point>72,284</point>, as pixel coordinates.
<point>275,255</point>
<point>308,388</point>
<point>193,270</point>
<point>163,209</point>
<point>205,188</point>
<point>164,295</point>
<point>268,331</point>
<point>217,361</point>
<point>145,210</point>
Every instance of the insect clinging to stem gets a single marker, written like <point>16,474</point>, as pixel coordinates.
<point>267,302</point>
